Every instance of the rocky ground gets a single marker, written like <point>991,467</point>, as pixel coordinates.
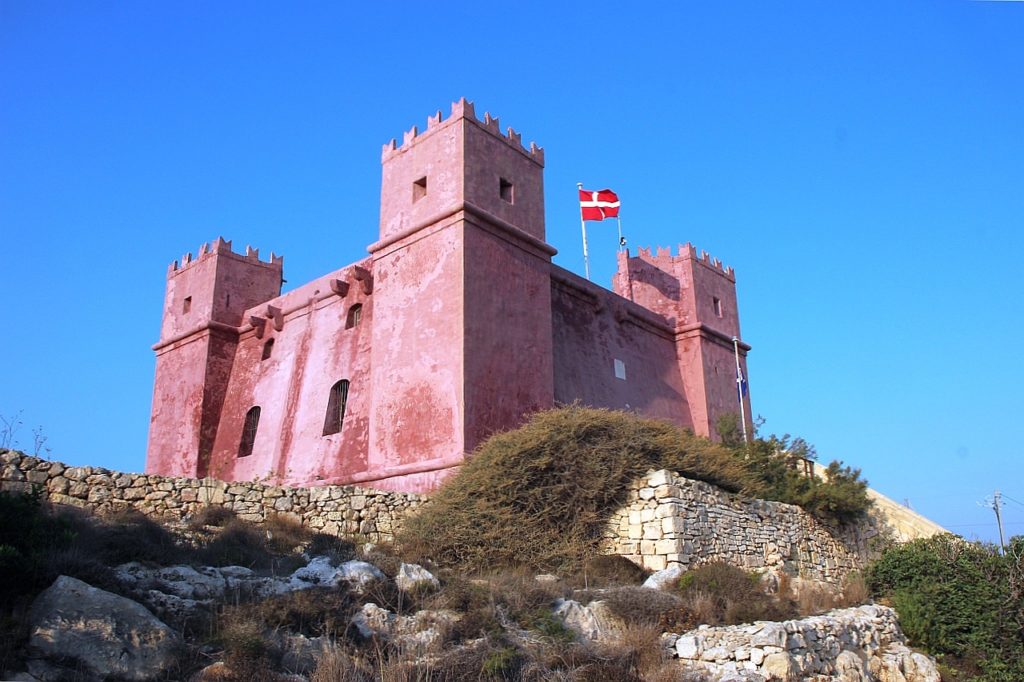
<point>160,627</point>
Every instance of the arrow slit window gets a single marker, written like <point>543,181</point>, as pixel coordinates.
<point>336,404</point>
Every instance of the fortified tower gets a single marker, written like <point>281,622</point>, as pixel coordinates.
<point>462,274</point>
<point>697,296</point>
<point>203,307</point>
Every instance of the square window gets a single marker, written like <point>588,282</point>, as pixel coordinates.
<point>506,190</point>
<point>419,189</point>
<point>186,305</point>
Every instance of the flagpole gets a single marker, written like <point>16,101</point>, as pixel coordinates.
<point>739,388</point>
<point>619,221</point>
<point>583,226</point>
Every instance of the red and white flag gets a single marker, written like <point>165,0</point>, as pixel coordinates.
<point>598,205</point>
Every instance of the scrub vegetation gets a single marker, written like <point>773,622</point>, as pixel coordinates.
<point>963,602</point>
<point>540,496</point>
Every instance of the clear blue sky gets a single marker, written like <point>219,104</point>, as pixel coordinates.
<point>860,164</point>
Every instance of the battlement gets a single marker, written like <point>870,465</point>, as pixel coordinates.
<point>223,247</point>
<point>664,259</point>
<point>464,109</point>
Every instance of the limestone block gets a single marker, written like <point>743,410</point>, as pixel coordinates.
<point>654,562</point>
<point>636,531</point>
<point>779,666</point>
<point>13,473</point>
<point>57,484</point>
<point>668,546</point>
<point>688,646</point>
<point>108,635</point>
<point>658,478</point>
<point>646,493</point>
<point>673,525</point>
<point>39,477</point>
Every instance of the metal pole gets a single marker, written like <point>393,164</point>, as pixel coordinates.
<point>583,226</point>
<point>999,521</point>
<point>619,221</point>
<point>739,389</point>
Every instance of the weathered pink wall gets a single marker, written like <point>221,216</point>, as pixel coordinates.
<point>592,328</point>
<point>311,352</point>
<point>466,329</point>
<point>682,288</point>
<point>196,350</point>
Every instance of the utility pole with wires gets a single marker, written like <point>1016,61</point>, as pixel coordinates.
<point>996,503</point>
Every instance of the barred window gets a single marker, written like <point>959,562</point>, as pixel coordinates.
<point>252,422</point>
<point>355,313</point>
<point>336,407</point>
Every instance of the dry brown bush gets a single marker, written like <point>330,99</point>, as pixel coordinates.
<point>540,496</point>
<point>640,607</point>
<point>611,570</point>
<point>337,549</point>
<point>313,612</point>
<point>639,647</point>
<point>855,591</point>
<point>285,533</point>
<point>720,594</point>
<point>813,599</point>
<point>211,515</point>
<point>336,666</point>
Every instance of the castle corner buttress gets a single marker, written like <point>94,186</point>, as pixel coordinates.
<point>389,371</point>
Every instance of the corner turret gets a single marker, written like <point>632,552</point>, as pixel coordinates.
<point>697,296</point>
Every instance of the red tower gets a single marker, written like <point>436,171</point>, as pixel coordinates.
<point>203,307</point>
<point>463,280</point>
<point>697,297</point>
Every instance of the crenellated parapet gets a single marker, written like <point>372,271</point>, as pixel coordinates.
<point>664,259</point>
<point>463,109</point>
<point>221,246</point>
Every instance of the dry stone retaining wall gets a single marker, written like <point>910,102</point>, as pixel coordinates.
<point>336,509</point>
<point>667,519</point>
<point>857,644</point>
<point>671,520</point>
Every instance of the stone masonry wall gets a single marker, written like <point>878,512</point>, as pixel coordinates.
<point>847,645</point>
<point>670,520</point>
<point>337,509</point>
<point>667,520</point>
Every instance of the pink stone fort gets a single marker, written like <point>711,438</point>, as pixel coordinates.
<point>388,372</point>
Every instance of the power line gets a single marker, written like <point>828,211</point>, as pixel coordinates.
<point>1007,497</point>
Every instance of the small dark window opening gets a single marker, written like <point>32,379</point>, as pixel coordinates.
<point>252,422</point>
<point>419,189</point>
<point>355,313</point>
<point>186,305</point>
<point>268,348</point>
<point>718,306</point>
<point>505,189</point>
<point>336,403</point>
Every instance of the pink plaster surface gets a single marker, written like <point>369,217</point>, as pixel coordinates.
<point>466,329</point>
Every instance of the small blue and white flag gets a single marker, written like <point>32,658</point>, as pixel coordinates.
<point>741,385</point>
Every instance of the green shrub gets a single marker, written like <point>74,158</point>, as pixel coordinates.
<point>501,663</point>
<point>776,462</point>
<point>540,496</point>
<point>957,599</point>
